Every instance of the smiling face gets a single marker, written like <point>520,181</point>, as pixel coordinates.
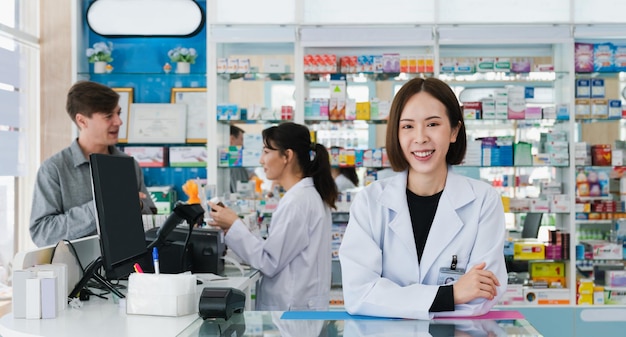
<point>101,129</point>
<point>425,134</point>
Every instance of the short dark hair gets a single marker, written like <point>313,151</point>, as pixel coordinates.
<point>444,94</point>
<point>235,131</point>
<point>87,98</point>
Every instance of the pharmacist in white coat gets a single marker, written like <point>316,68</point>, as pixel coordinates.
<point>425,242</point>
<point>295,259</point>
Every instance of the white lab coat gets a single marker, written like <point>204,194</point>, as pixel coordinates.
<point>295,259</point>
<point>380,272</point>
<point>343,183</point>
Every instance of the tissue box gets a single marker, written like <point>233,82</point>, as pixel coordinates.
<point>162,295</point>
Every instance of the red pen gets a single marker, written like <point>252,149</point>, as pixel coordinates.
<point>138,268</point>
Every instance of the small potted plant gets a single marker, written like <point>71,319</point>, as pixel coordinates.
<point>182,57</point>
<point>100,55</point>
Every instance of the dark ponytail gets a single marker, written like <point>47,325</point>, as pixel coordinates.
<point>313,158</point>
<point>322,178</point>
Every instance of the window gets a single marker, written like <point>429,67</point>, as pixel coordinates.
<point>19,92</point>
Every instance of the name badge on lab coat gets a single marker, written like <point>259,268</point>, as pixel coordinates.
<point>449,276</point>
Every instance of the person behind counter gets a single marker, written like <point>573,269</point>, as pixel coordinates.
<point>410,233</point>
<point>346,178</point>
<point>295,258</point>
<point>63,206</point>
<point>237,173</point>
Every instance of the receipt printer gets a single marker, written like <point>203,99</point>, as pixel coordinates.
<point>203,254</point>
<point>221,302</point>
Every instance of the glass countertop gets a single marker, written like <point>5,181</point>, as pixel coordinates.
<point>270,324</point>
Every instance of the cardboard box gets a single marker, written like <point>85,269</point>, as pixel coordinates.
<point>147,156</point>
<point>163,197</point>
<point>614,295</point>
<point>583,88</point>
<point>601,155</point>
<point>539,205</point>
<point>519,205</point>
<point>546,296</point>
<point>275,65</point>
<point>603,250</point>
<point>188,156</point>
<point>529,250</point>
<point>597,88</point>
<point>516,103</point>
<point>548,271</point>
<point>583,108</point>
<point>560,203</point>
<point>472,110</point>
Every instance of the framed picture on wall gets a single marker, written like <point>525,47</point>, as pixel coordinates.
<point>157,123</point>
<point>197,116</point>
<point>126,99</point>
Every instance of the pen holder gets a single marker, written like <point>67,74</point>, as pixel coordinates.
<point>162,295</point>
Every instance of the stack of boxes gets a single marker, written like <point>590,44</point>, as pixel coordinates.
<point>591,101</point>
<point>40,291</point>
<point>379,63</point>
<point>468,65</point>
<point>339,107</point>
<point>233,65</point>
<point>510,103</point>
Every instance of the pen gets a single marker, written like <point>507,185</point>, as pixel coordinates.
<point>155,260</point>
<point>138,268</point>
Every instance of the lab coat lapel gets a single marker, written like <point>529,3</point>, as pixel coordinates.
<point>447,224</point>
<point>393,198</point>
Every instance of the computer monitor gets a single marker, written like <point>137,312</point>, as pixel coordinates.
<point>532,222</point>
<point>118,221</point>
<point>118,213</point>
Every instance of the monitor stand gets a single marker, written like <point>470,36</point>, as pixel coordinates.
<point>92,273</point>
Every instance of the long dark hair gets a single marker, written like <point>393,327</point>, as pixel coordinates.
<point>312,158</point>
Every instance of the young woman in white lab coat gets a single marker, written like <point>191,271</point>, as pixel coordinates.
<point>295,259</point>
<point>425,242</point>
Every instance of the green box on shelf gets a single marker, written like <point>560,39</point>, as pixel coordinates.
<point>234,156</point>
<point>522,154</point>
<point>164,198</point>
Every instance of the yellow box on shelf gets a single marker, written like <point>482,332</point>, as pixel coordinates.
<point>551,272</point>
<point>529,250</point>
<point>506,204</point>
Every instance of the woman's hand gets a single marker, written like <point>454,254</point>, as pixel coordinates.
<point>476,283</point>
<point>223,217</point>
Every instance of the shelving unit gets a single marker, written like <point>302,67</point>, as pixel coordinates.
<point>596,222</point>
<point>270,51</point>
<point>549,45</point>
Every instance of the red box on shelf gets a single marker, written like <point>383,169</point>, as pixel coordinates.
<point>601,155</point>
